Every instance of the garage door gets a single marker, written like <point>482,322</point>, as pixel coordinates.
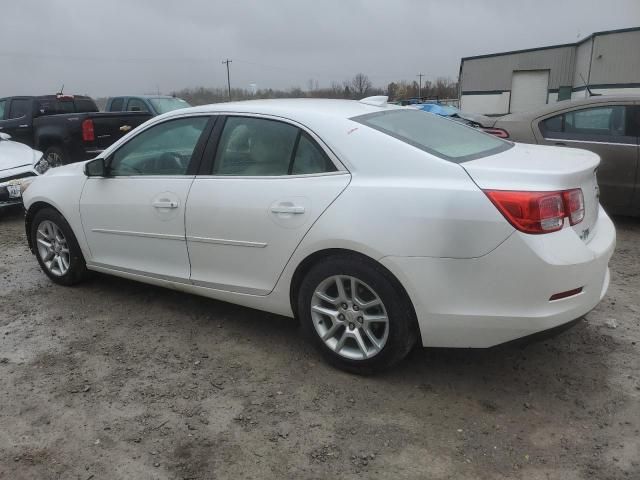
<point>529,90</point>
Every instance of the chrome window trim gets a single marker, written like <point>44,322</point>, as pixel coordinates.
<point>589,141</point>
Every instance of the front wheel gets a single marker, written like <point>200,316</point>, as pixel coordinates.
<point>56,248</point>
<point>356,315</point>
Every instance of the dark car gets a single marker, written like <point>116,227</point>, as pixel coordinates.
<point>67,128</point>
<point>153,104</point>
<point>606,125</point>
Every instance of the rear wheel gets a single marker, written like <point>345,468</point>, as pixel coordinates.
<point>56,248</point>
<point>56,156</point>
<point>355,314</point>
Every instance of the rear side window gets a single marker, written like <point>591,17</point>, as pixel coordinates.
<point>116,105</point>
<point>310,158</point>
<point>443,138</point>
<point>607,123</point>
<point>19,108</point>
<point>259,147</point>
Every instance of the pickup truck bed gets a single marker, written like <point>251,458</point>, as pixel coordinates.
<point>81,136</point>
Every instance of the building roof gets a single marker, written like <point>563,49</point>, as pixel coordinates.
<point>562,45</point>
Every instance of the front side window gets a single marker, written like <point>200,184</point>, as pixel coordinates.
<point>164,149</point>
<point>2,108</point>
<point>607,123</point>
<point>443,138</point>
<point>136,105</point>
<point>19,108</point>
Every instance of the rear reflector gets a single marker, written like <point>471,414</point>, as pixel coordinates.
<point>498,132</point>
<point>88,133</point>
<point>539,212</point>
<point>568,293</point>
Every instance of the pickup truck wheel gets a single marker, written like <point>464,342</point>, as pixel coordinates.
<point>56,156</point>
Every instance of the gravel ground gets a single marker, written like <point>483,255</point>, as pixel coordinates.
<point>115,379</point>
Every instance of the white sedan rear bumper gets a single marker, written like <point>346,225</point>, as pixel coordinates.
<point>505,295</point>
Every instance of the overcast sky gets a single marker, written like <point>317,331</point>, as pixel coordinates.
<point>110,47</point>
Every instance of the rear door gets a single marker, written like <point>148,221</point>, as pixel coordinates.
<point>18,120</point>
<point>264,183</point>
<point>605,129</point>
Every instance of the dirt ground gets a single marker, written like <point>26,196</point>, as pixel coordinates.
<point>114,379</point>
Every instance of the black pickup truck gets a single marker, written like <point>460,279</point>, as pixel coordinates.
<point>67,128</point>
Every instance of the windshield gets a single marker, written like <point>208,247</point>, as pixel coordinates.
<point>438,136</point>
<point>164,105</point>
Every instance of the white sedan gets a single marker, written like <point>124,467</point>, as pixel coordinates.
<point>18,165</point>
<point>376,226</point>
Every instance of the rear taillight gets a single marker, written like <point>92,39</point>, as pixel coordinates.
<point>88,134</point>
<point>539,212</point>
<point>574,204</point>
<point>498,132</point>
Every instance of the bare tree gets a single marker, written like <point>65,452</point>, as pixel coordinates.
<point>360,85</point>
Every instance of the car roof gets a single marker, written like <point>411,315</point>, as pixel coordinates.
<point>142,96</point>
<point>566,104</point>
<point>301,109</point>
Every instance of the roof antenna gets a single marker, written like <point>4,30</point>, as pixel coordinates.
<point>591,94</point>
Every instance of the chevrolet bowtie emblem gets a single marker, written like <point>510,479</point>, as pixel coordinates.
<point>125,128</point>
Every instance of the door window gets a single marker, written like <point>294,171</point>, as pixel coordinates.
<point>136,105</point>
<point>164,149</point>
<point>2,105</point>
<point>607,123</point>
<point>260,147</point>
<point>19,108</point>
<point>310,158</point>
<point>116,105</point>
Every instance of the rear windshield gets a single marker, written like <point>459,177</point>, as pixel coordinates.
<point>164,105</point>
<point>443,138</point>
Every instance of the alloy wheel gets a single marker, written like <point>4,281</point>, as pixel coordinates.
<point>350,317</point>
<point>53,248</point>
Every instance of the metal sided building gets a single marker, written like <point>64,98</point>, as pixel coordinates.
<point>499,83</point>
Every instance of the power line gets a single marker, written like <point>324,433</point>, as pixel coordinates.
<point>420,75</point>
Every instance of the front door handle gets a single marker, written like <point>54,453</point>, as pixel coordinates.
<point>165,204</point>
<point>561,144</point>
<point>294,209</point>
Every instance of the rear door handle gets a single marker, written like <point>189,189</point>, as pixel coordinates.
<point>294,209</point>
<point>165,204</point>
<point>561,144</point>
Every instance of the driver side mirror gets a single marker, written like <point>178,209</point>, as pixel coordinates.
<point>5,136</point>
<point>95,168</point>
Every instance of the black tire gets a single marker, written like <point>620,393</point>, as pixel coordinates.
<point>56,156</point>
<point>77,270</point>
<point>403,332</point>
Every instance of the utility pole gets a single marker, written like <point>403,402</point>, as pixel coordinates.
<point>227,62</point>
<point>420,75</point>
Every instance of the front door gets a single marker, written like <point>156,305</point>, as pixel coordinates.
<point>605,130</point>
<point>133,219</point>
<point>269,182</point>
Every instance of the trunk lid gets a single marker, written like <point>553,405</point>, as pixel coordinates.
<point>542,168</point>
